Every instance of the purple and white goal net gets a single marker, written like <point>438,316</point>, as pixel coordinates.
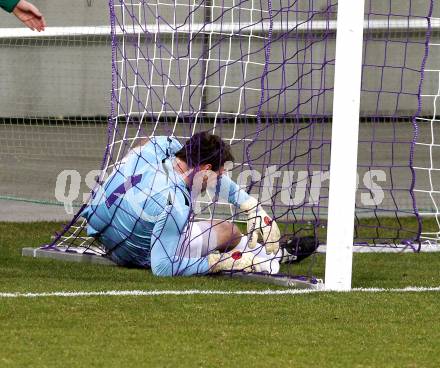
<point>260,74</point>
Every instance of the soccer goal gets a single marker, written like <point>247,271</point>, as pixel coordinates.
<point>330,109</point>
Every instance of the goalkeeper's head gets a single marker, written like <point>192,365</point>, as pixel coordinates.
<point>203,155</point>
<point>205,151</point>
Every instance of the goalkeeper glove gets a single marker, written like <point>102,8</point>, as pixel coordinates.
<point>236,261</point>
<point>259,223</point>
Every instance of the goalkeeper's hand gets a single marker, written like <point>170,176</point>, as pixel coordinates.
<point>259,223</point>
<point>234,261</point>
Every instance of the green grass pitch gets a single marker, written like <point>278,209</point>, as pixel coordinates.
<point>310,330</point>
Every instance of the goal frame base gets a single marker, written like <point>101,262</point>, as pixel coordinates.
<point>66,256</point>
<point>289,281</point>
<point>297,282</point>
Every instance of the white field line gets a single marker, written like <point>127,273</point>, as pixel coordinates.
<point>411,289</point>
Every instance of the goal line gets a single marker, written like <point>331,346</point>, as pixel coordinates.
<point>152,293</point>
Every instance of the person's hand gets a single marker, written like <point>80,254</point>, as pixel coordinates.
<point>260,224</point>
<point>29,15</point>
<point>234,261</point>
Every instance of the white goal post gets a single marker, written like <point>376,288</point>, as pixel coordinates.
<point>344,148</point>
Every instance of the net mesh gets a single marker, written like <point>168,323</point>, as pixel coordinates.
<point>54,101</point>
<point>427,149</point>
<point>260,75</point>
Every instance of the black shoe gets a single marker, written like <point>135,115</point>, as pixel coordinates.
<point>296,249</point>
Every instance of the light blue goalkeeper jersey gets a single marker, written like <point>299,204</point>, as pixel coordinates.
<point>140,212</point>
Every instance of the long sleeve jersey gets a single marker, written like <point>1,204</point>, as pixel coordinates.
<point>143,208</point>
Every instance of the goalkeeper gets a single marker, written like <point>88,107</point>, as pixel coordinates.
<point>141,212</point>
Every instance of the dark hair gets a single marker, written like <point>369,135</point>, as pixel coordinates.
<point>205,148</point>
